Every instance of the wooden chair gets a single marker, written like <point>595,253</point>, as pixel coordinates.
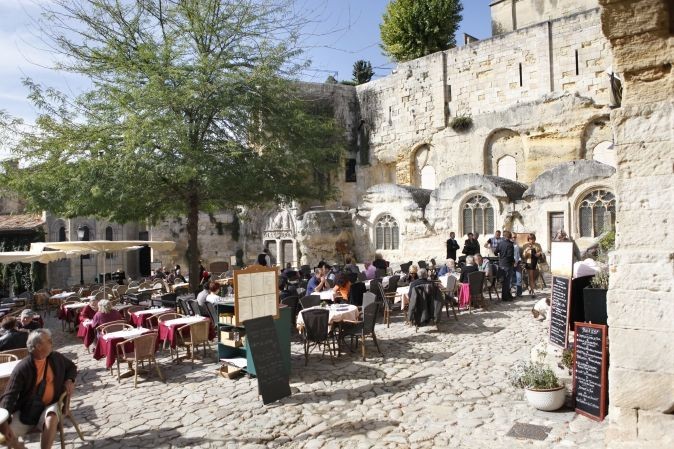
<point>4,357</point>
<point>64,412</point>
<point>144,348</point>
<point>114,326</point>
<point>19,353</point>
<point>198,335</point>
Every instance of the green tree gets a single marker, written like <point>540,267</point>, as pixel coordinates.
<point>362,71</point>
<point>414,28</point>
<point>192,107</point>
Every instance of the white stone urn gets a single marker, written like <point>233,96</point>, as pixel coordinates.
<point>546,400</point>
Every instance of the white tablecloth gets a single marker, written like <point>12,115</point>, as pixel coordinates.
<point>185,320</point>
<point>7,368</point>
<point>338,312</point>
<point>130,333</point>
<point>326,295</point>
<point>152,311</point>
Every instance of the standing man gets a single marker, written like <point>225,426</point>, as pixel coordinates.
<point>452,246</point>
<point>46,374</point>
<point>517,252</point>
<point>493,242</point>
<point>471,246</point>
<point>506,262</point>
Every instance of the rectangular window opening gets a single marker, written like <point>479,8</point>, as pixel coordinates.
<point>577,67</point>
<point>350,170</point>
<point>520,74</point>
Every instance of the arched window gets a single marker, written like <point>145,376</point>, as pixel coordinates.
<point>386,233</point>
<point>507,168</point>
<point>605,153</point>
<point>596,213</point>
<point>62,234</point>
<point>478,215</point>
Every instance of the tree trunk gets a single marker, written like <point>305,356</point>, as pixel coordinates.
<point>193,253</point>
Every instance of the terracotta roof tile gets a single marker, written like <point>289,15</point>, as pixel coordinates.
<point>20,222</point>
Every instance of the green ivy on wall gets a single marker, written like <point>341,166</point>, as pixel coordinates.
<point>16,278</point>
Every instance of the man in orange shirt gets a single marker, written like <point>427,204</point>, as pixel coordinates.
<point>44,373</point>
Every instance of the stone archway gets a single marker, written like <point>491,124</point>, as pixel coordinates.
<point>280,237</point>
<point>501,143</point>
<point>597,130</point>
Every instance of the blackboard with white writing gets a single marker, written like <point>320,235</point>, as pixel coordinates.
<point>263,341</point>
<point>589,370</point>
<point>559,311</point>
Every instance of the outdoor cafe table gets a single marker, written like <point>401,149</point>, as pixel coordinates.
<point>6,371</point>
<point>338,313</point>
<point>139,318</point>
<point>107,344</point>
<point>384,282</point>
<point>168,329</point>
<point>326,295</point>
<point>69,312</point>
<point>87,333</point>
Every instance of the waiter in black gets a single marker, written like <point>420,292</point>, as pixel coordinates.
<point>452,246</point>
<point>506,262</point>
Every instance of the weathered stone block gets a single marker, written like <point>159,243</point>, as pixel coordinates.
<point>622,424</point>
<point>627,350</point>
<point>641,389</point>
<point>656,427</point>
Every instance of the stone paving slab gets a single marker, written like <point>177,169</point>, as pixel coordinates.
<point>446,388</point>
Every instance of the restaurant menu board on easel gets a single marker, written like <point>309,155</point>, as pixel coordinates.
<point>589,370</point>
<point>559,311</point>
<point>561,259</point>
<point>255,293</point>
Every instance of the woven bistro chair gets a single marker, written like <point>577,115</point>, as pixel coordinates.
<point>64,412</point>
<point>198,335</point>
<point>4,358</point>
<point>114,326</point>
<point>144,348</point>
<point>20,353</point>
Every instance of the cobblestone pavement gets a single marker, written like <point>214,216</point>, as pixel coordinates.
<point>446,388</point>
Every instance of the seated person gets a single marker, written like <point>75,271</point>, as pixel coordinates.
<point>467,269</point>
<point>448,268</point>
<point>88,311</point>
<point>370,271</point>
<point>412,274</point>
<point>13,338</point>
<point>213,293</point>
<point>319,281</point>
<point>423,279</point>
<point>351,267</point>
<point>290,284</point>
<point>27,321</point>
<point>482,264</point>
<point>105,314</point>
<point>379,262</point>
<point>203,294</point>
<point>342,286</point>
<point>44,365</point>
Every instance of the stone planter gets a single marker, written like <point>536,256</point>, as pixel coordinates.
<point>546,400</point>
<point>594,305</point>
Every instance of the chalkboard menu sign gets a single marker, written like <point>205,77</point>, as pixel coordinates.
<point>589,370</point>
<point>263,341</point>
<point>559,311</point>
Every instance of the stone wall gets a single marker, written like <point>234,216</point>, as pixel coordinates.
<point>640,297</point>
<point>509,15</point>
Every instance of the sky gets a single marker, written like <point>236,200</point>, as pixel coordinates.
<point>341,32</point>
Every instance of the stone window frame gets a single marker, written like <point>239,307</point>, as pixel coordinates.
<point>578,204</point>
<point>465,201</point>
<point>55,231</point>
<point>384,221</point>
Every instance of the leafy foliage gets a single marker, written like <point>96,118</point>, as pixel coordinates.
<point>600,280</point>
<point>362,71</point>
<point>192,108</point>
<point>461,123</point>
<point>534,376</point>
<point>414,28</point>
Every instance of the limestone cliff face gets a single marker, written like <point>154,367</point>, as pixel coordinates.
<point>322,235</point>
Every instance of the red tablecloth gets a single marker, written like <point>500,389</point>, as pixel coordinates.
<point>168,332</point>
<point>139,319</point>
<point>87,333</point>
<point>464,295</point>
<point>107,347</point>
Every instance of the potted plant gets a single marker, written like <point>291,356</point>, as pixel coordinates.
<point>594,296</point>
<point>542,388</point>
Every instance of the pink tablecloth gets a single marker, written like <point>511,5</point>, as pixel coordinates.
<point>168,329</point>
<point>464,295</point>
<point>107,345</point>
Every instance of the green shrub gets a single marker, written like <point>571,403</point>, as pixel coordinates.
<point>461,123</point>
<point>534,376</point>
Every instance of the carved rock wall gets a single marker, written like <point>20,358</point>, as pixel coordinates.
<point>641,294</point>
